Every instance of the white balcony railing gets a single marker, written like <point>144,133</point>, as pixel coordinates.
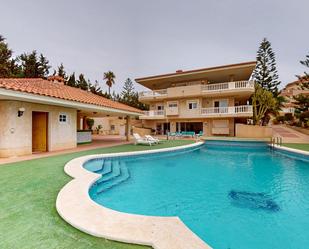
<point>288,110</point>
<point>212,111</point>
<point>156,93</point>
<point>154,113</point>
<point>228,86</point>
<point>235,85</point>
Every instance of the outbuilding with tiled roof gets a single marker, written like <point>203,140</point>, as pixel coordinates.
<point>44,114</point>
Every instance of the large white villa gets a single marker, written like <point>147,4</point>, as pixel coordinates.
<point>209,100</point>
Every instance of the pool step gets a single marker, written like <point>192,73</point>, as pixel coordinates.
<point>94,166</point>
<point>123,176</point>
<point>106,167</point>
<point>115,172</point>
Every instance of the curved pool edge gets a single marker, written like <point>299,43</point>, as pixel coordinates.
<point>76,207</point>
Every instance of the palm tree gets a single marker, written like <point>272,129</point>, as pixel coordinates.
<point>110,80</point>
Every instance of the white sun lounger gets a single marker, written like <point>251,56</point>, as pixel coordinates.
<point>151,138</point>
<point>140,140</point>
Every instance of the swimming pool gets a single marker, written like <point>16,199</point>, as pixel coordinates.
<point>231,194</point>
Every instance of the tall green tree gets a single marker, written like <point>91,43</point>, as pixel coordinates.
<point>127,94</point>
<point>301,100</point>
<point>5,58</point>
<point>71,81</point>
<point>265,73</point>
<point>82,82</point>
<point>34,66</point>
<point>109,77</point>
<point>304,80</point>
<point>61,72</point>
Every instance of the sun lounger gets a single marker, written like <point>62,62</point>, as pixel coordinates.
<point>140,140</point>
<point>151,138</point>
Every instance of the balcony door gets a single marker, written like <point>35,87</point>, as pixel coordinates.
<point>221,106</point>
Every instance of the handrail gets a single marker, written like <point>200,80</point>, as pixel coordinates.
<point>276,141</point>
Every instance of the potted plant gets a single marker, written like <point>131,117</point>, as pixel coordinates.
<point>90,123</point>
<point>98,128</point>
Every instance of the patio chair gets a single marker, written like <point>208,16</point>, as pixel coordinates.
<point>151,138</point>
<point>140,140</point>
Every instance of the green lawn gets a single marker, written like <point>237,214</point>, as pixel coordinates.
<point>28,191</point>
<point>304,147</point>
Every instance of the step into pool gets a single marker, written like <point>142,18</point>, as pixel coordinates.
<point>233,195</point>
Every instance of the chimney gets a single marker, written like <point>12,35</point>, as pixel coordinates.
<point>179,71</point>
<point>56,79</point>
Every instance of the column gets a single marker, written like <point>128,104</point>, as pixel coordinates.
<point>128,128</point>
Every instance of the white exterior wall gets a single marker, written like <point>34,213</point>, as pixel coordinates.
<point>16,132</point>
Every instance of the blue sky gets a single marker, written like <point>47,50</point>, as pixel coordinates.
<point>138,38</point>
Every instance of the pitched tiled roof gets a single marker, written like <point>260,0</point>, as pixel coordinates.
<point>58,90</point>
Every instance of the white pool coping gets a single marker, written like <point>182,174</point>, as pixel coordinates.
<point>76,207</point>
<point>291,150</point>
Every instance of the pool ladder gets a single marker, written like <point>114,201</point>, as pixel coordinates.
<point>275,141</point>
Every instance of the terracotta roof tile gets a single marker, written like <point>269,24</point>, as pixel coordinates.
<point>58,90</point>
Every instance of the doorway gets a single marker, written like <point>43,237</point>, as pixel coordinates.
<point>39,131</point>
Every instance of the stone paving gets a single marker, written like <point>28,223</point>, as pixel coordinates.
<point>289,135</point>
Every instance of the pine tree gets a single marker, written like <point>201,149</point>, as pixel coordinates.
<point>127,93</point>
<point>71,81</point>
<point>82,82</point>
<point>34,66</point>
<point>265,73</point>
<point>302,100</point>
<point>61,72</point>
<point>304,80</point>
<point>5,58</point>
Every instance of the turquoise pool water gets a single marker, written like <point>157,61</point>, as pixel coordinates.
<point>234,195</point>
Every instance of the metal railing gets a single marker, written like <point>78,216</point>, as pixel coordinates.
<point>275,141</point>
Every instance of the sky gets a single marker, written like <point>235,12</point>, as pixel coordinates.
<point>137,38</point>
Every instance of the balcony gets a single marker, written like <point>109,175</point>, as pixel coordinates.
<point>191,90</point>
<point>153,114</point>
<point>212,112</point>
<point>153,94</point>
<point>232,111</point>
<point>228,86</point>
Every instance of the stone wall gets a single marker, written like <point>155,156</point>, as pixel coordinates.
<point>253,131</point>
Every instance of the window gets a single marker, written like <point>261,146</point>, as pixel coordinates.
<point>112,127</point>
<point>221,103</point>
<point>160,107</point>
<point>172,105</point>
<point>63,118</point>
<point>192,105</point>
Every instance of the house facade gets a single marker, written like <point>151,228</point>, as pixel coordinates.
<point>39,115</point>
<point>209,100</point>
